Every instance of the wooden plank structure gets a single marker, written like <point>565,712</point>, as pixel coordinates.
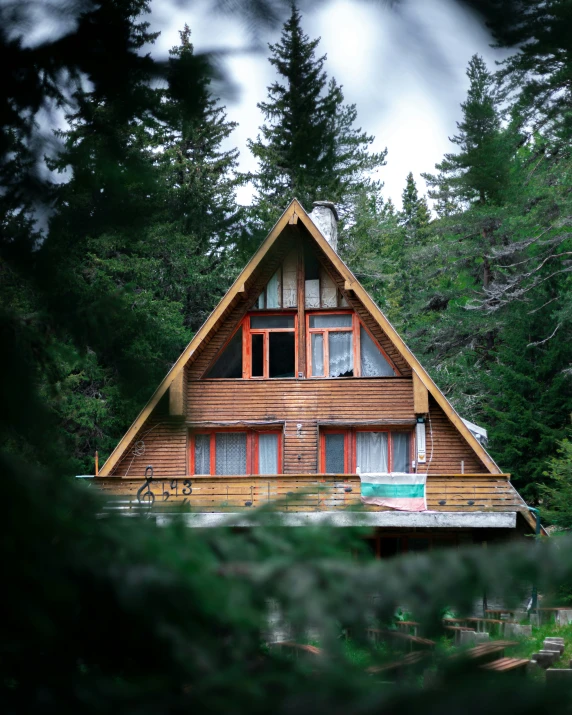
<point>283,303</point>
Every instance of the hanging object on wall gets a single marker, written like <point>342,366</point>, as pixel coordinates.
<point>420,440</point>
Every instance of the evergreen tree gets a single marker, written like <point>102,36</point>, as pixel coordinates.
<point>144,249</point>
<point>415,215</point>
<point>538,74</point>
<point>200,176</point>
<point>478,172</point>
<point>308,146</point>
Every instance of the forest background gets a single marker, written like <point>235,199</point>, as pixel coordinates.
<point>143,245</point>
<point>106,274</point>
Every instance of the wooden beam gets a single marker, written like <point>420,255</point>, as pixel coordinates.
<point>293,218</point>
<point>176,396</point>
<point>301,311</point>
<point>420,396</point>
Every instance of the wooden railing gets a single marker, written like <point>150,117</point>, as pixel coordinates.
<point>299,492</point>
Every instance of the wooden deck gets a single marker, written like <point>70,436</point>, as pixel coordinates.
<point>302,492</point>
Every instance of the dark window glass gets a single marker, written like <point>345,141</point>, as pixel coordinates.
<point>335,452</point>
<point>331,321</point>
<point>257,355</point>
<point>311,264</point>
<point>229,363</point>
<point>281,356</point>
<point>400,459</point>
<point>261,322</point>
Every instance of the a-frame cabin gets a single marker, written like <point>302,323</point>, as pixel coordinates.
<point>296,384</point>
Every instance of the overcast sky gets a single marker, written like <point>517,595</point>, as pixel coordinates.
<point>403,65</point>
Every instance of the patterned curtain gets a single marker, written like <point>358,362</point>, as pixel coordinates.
<point>230,453</point>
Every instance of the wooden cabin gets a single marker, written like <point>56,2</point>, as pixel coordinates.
<point>295,388</point>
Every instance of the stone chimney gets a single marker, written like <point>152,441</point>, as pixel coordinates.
<point>325,217</point>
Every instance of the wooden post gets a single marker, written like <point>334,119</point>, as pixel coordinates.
<point>96,463</point>
<point>176,396</point>
<point>420,396</point>
<point>301,312</point>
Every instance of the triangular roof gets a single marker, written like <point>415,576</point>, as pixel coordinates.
<point>292,215</point>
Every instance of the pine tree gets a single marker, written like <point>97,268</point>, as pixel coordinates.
<point>538,74</point>
<point>308,146</point>
<point>200,176</point>
<point>144,249</point>
<point>415,215</point>
<point>478,173</point>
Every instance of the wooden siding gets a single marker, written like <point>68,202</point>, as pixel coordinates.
<point>162,441</point>
<point>303,492</point>
<point>229,320</point>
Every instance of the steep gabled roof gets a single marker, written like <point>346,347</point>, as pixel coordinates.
<point>291,215</point>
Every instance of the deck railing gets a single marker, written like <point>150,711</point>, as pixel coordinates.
<point>298,492</point>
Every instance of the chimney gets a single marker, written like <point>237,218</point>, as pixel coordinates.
<point>325,217</point>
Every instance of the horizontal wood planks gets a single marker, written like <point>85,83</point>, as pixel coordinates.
<point>162,441</point>
<point>303,492</point>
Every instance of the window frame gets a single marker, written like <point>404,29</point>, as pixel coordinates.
<point>356,344</point>
<point>350,445</point>
<point>252,442</point>
<point>248,332</point>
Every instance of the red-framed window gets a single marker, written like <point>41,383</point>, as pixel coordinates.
<point>220,452</point>
<point>371,449</point>
<point>339,345</point>
<point>270,345</point>
<point>265,345</point>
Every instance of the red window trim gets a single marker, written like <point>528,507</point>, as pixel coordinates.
<point>356,343</point>
<point>247,333</point>
<point>350,445</point>
<point>251,448</point>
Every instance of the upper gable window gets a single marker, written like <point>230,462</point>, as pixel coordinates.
<point>340,346</point>
<point>281,291</point>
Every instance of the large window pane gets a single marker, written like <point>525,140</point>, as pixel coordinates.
<point>202,454</point>
<point>335,453</point>
<point>229,364</point>
<point>317,354</point>
<point>230,453</point>
<point>372,452</point>
<point>341,354</point>
<point>281,355</point>
<point>260,322</point>
<point>373,364</point>
<point>257,355</point>
<point>331,321</point>
<point>400,452</point>
<point>268,453</point>
<point>272,291</point>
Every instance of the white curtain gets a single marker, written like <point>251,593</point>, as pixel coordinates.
<point>202,454</point>
<point>272,292</point>
<point>267,453</point>
<point>401,455</point>
<point>317,354</point>
<point>230,453</point>
<point>341,354</point>
<point>373,364</point>
<point>372,454</point>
